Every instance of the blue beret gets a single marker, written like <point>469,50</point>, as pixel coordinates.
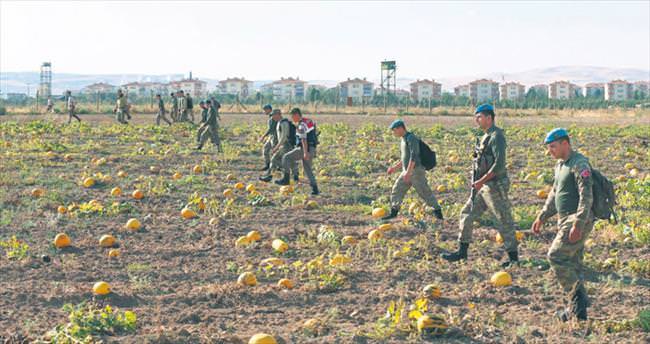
<point>397,123</point>
<point>267,106</point>
<point>555,135</point>
<point>484,107</point>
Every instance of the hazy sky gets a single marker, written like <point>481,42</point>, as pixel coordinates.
<point>320,40</point>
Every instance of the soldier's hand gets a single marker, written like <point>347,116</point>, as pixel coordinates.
<point>407,178</point>
<point>537,226</point>
<point>574,234</point>
<point>390,170</point>
<point>477,186</point>
<point>305,156</point>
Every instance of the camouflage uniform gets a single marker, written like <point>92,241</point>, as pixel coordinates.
<point>161,113</point>
<point>210,129</point>
<point>286,145</point>
<point>571,198</point>
<point>120,109</point>
<point>410,151</point>
<point>174,113</point>
<point>189,105</point>
<point>491,157</point>
<point>271,141</point>
<point>291,158</point>
<point>182,109</point>
<point>71,105</point>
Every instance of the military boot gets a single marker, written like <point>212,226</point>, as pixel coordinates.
<point>461,254</point>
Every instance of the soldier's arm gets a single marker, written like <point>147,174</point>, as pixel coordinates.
<point>499,152</point>
<point>282,139</point>
<point>414,151</point>
<point>584,184</point>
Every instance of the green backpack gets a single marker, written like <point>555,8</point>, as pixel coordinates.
<point>603,196</point>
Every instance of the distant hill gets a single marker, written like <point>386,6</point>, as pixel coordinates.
<point>19,82</point>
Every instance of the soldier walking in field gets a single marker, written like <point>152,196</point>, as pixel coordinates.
<point>71,106</point>
<point>305,150</point>
<point>413,173</point>
<point>489,189</point>
<point>174,112</point>
<point>210,129</point>
<point>161,111</point>
<point>269,138</point>
<point>121,107</point>
<point>286,134</point>
<point>571,199</point>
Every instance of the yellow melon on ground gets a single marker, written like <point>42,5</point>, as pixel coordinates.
<point>286,189</point>
<point>542,194</point>
<point>285,283</point>
<point>114,252</point>
<point>501,279</point>
<point>250,187</point>
<point>432,291</point>
<point>89,182</point>
<point>426,322</point>
<point>122,174</point>
<point>116,191</point>
<point>188,213</point>
<point>177,176</point>
<point>138,194</point>
<point>310,324</point>
<point>197,169</point>
<point>279,246</point>
<point>228,193</point>
<point>107,240</point>
<point>61,209</point>
<point>441,188</point>
<point>242,241</point>
<point>247,279</point>
<point>239,186</point>
<point>340,259</point>
<point>262,338</point>
<point>62,240</point>
<point>378,213</point>
<point>386,227</point>
<point>230,177</point>
<point>254,236</point>
<point>311,204</point>
<point>133,224</point>
<point>375,235</point>
<point>274,261</point>
<point>101,288</point>
<point>37,192</point>
<point>349,240</point>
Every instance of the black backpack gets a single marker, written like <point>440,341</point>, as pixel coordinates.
<point>292,130</point>
<point>427,156</point>
<point>604,197</point>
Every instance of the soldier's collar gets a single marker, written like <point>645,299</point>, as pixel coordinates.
<point>491,129</point>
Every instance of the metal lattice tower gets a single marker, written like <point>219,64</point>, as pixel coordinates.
<point>388,79</point>
<point>45,88</point>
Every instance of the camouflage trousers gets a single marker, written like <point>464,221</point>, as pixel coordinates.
<point>266,150</point>
<point>174,114</point>
<point>71,113</point>
<point>291,158</point>
<point>276,161</point>
<point>566,258</point>
<point>183,116</point>
<point>161,116</point>
<point>212,132</point>
<point>120,116</point>
<point>419,182</point>
<point>493,196</point>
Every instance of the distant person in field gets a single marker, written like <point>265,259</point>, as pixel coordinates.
<point>210,129</point>
<point>489,190</point>
<point>269,138</point>
<point>571,199</point>
<point>204,118</point>
<point>71,106</point>
<point>174,113</point>
<point>121,107</point>
<point>412,174</point>
<point>286,134</point>
<point>127,108</point>
<point>182,106</point>
<point>305,150</point>
<point>50,105</point>
<point>161,111</point>
<point>189,105</point>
